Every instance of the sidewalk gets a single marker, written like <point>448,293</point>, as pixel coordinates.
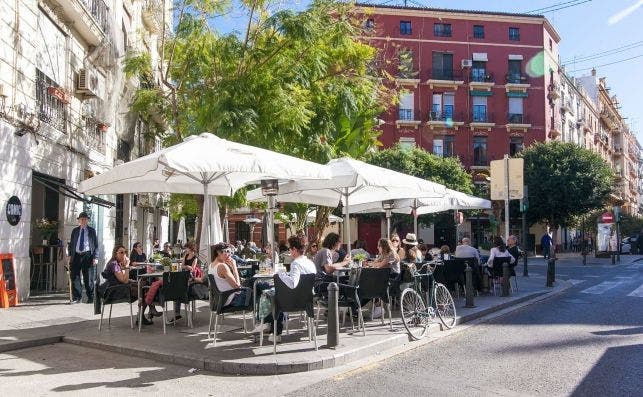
<point>41,321</point>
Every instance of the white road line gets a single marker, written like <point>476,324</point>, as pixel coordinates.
<point>634,266</point>
<point>592,276</point>
<point>602,287</point>
<point>637,292</point>
<point>576,282</point>
<point>625,277</point>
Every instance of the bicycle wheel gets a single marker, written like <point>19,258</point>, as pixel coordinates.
<point>414,313</point>
<point>444,305</point>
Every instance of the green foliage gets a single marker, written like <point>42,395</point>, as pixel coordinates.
<point>182,205</point>
<point>565,181</point>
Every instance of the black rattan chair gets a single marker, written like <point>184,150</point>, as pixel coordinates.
<point>289,300</point>
<point>496,271</point>
<point>217,306</point>
<point>116,293</point>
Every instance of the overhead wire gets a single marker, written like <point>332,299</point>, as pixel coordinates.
<point>605,53</point>
<point>609,63</point>
<point>558,6</point>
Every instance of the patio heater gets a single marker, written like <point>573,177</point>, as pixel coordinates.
<point>387,206</point>
<point>252,222</point>
<point>270,188</point>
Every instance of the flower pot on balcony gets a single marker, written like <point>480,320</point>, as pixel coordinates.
<point>103,127</point>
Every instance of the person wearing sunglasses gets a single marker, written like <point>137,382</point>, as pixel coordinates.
<point>226,275</point>
<point>137,256</point>
<point>116,272</point>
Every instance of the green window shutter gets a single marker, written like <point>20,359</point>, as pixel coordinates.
<point>481,93</point>
<point>517,94</point>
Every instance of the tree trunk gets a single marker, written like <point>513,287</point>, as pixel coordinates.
<point>321,223</point>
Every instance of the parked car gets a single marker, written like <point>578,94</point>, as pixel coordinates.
<point>629,245</point>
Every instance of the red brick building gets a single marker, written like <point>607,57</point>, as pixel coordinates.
<point>472,84</point>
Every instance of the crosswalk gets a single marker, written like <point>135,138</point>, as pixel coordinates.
<point>609,286</point>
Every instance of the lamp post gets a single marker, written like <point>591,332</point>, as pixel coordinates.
<point>387,205</point>
<point>270,188</point>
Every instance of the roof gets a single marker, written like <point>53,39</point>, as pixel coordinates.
<point>511,14</point>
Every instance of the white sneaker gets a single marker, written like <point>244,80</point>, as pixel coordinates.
<point>271,338</point>
<point>378,312</point>
<point>261,328</point>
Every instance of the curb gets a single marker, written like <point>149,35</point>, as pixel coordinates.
<point>27,343</point>
<point>377,351</point>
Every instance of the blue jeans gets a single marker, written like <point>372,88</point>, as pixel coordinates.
<point>241,298</point>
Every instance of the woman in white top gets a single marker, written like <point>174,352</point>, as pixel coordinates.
<point>226,275</point>
<point>499,251</point>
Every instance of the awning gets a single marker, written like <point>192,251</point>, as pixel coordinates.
<point>69,191</point>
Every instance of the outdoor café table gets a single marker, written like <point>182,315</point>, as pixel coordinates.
<point>341,272</point>
<point>257,278</point>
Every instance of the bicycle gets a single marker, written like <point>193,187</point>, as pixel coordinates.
<point>417,310</point>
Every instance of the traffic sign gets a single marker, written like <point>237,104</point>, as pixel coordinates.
<point>498,179</point>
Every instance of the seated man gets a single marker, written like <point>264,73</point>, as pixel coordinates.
<point>465,250</point>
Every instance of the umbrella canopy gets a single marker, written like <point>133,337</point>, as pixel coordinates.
<point>181,235</point>
<point>453,200</point>
<point>354,182</point>
<point>202,164</point>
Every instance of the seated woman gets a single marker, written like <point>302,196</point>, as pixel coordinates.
<point>167,251</point>
<point>324,259</point>
<point>226,276</point>
<point>198,288</point>
<point>387,258</point>
<point>445,252</point>
<point>300,265</point>
<point>116,272</point>
<point>397,248</point>
<point>498,251</point>
<point>411,253</point>
<point>137,256</point>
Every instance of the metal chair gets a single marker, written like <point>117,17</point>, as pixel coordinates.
<point>496,271</point>
<point>116,293</point>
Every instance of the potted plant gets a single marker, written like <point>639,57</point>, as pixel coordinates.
<point>48,229</point>
<point>360,258</point>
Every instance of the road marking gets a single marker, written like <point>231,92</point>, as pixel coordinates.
<point>634,266</point>
<point>637,292</point>
<point>564,275</point>
<point>592,276</point>
<point>602,287</point>
<point>625,277</point>
<point>576,282</point>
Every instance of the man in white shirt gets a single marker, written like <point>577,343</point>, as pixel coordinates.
<point>299,265</point>
<point>465,250</point>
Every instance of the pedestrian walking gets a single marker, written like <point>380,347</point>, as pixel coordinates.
<point>82,252</point>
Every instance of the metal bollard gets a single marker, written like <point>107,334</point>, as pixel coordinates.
<point>613,258</point>
<point>525,270</point>
<point>333,316</point>
<point>468,281</point>
<point>485,282</point>
<point>505,279</point>
<point>584,257</point>
<point>551,272</point>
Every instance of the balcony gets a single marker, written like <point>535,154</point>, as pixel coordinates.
<point>481,119</point>
<point>407,118</point>
<point>152,15</point>
<point>518,121</point>
<point>51,107</point>
<point>556,129</point>
<point>481,80</point>
<point>445,120</point>
<point>567,106</point>
<point>445,78</point>
<point>517,82</point>
<point>90,18</point>
<point>553,91</point>
<point>408,78</point>
<point>95,135</point>
<point>618,152</point>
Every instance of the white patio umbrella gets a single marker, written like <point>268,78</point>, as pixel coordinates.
<point>354,182</point>
<point>181,234</point>
<point>202,164</point>
<point>453,200</point>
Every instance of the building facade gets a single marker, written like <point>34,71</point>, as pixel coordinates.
<point>64,116</point>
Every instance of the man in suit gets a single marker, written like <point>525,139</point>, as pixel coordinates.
<point>82,251</point>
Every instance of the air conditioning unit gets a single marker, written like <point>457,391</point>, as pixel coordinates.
<point>467,63</point>
<point>87,82</point>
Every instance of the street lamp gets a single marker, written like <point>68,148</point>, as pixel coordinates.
<point>252,222</point>
<point>270,188</point>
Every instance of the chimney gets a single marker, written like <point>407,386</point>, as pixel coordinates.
<point>594,72</point>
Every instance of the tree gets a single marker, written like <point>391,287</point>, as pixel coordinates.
<point>292,82</point>
<point>565,181</point>
<point>422,164</point>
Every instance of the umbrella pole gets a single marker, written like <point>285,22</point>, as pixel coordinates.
<point>347,223</point>
<point>415,217</point>
<point>207,219</point>
<point>388,224</point>
<point>274,255</point>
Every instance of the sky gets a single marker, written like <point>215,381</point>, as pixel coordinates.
<point>586,27</point>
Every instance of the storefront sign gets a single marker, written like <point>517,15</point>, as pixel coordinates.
<point>14,210</point>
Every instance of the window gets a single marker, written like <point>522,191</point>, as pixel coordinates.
<point>480,109</point>
<point>443,106</point>
<point>515,113</point>
<point>406,70</point>
<point>407,143</point>
<point>51,109</point>
<point>242,231</point>
<point>447,150</point>
<point>369,24</point>
<point>479,71</point>
<point>514,74</point>
<point>480,150</point>
<point>478,31</point>
<point>405,27</point>
<point>514,34</point>
<point>442,66</point>
<point>406,106</point>
<point>515,145</point>
<point>442,29</point>
<point>551,45</point>
<point>438,148</point>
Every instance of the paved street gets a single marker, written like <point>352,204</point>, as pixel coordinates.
<point>587,341</point>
